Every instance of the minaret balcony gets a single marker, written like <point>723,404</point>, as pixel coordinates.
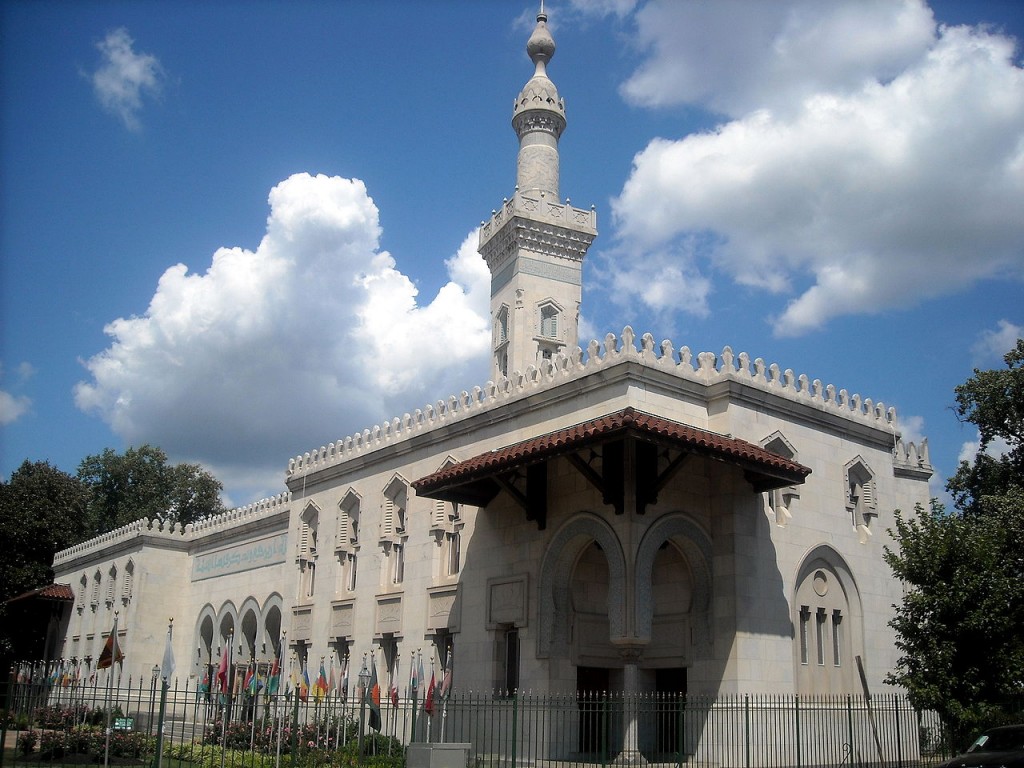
<point>539,219</point>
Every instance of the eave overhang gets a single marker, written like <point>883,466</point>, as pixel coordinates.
<point>476,481</point>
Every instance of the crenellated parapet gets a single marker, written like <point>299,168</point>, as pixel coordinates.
<point>706,368</point>
<point>539,223</point>
<point>173,531</point>
<point>911,459</point>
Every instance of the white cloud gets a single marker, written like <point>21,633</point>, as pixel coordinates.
<point>994,344</point>
<point>618,8</point>
<point>123,76</point>
<point>997,448</point>
<point>273,352</point>
<point>855,176</point>
<point>12,406</point>
<point>740,55</point>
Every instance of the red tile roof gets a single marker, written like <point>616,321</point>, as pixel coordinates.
<point>775,469</point>
<point>49,592</point>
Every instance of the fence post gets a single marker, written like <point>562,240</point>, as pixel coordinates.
<point>799,755</point>
<point>899,737</point>
<point>849,722</point>
<point>515,724</point>
<point>746,727</point>
<point>680,700</point>
<point>295,727</point>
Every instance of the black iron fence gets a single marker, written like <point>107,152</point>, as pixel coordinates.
<point>50,719</point>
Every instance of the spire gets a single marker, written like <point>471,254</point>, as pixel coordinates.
<point>534,244</point>
<point>538,117</point>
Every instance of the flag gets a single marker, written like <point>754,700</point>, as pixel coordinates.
<point>320,685</point>
<point>274,681</point>
<point>249,683</point>
<point>204,687</point>
<point>111,653</point>
<point>224,668</point>
<point>332,686</point>
<point>428,702</point>
<point>446,682</point>
<point>373,696</point>
<point>167,665</point>
<point>344,681</point>
<point>420,677</point>
<point>304,684</point>
<point>393,693</point>
<point>414,682</point>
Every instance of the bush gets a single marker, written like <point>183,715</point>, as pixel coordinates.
<point>91,740</point>
<point>27,742</point>
<point>60,717</point>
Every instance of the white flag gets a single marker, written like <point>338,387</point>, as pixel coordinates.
<point>167,667</point>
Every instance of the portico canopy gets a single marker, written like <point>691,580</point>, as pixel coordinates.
<point>628,455</point>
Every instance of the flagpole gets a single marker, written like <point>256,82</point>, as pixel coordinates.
<point>445,692</point>
<point>255,695</point>
<point>110,682</point>
<point>430,712</point>
<point>165,675</point>
<point>225,698</point>
<point>277,703</point>
<point>415,696</point>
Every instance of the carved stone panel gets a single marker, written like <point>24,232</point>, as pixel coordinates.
<point>342,618</point>
<point>445,608</point>
<point>507,601</point>
<point>302,624</point>
<point>389,614</point>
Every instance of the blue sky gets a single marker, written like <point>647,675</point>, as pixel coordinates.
<point>240,231</point>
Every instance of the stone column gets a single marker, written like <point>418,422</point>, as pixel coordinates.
<point>631,705</point>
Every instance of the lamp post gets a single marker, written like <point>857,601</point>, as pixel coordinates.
<point>364,680</point>
<point>152,695</point>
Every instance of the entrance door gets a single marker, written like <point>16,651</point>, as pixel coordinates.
<point>591,684</point>
<point>670,685</point>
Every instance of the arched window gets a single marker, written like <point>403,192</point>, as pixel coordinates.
<point>780,501</point>
<point>309,523</point>
<point>861,497</point>
<point>549,321</point>
<point>826,618</point>
<point>128,582</point>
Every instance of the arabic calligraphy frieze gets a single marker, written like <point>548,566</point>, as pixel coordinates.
<point>242,557</point>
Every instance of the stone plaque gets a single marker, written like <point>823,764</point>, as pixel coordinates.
<point>389,614</point>
<point>444,609</point>
<point>507,601</point>
<point>302,623</point>
<point>342,618</point>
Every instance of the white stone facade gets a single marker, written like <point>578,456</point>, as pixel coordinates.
<point>702,575</point>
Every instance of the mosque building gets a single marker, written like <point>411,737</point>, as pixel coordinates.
<point>625,516</point>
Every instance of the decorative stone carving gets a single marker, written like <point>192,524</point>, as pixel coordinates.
<point>507,601</point>
<point>389,614</point>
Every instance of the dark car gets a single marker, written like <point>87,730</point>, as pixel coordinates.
<point>996,747</point>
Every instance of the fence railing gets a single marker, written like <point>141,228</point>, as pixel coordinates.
<point>557,731</point>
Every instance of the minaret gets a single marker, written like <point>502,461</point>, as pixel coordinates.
<point>534,245</point>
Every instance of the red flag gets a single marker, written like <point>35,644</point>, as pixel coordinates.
<point>428,704</point>
<point>371,695</point>
<point>111,653</point>
<point>446,682</point>
<point>274,682</point>
<point>393,692</point>
<point>223,668</point>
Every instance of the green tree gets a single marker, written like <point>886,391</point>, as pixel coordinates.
<point>960,628</point>
<point>994,402</point>
<point>141,484</point>
<point>42,511</point>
